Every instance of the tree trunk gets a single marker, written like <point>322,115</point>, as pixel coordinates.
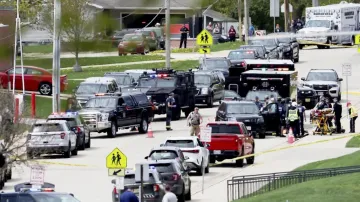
<point>77,67</point>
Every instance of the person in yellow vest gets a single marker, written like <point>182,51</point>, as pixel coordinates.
<point>293,117</point>
<point>353,116</point>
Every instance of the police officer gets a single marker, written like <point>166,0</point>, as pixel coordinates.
<point>302,118</point>
<point>266,101</point>
<point>183,38</point>
<point>282,112</point>
<point>170,104</point>
<point>258,103</point>
<point>293,118</point>
<point>353,116</point>
<point>337,108</point>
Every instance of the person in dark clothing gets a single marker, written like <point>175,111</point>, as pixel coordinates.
<point>337,108</point>
<point>329,105</point>
<point>128,196</point>
<point>302,118</point>
<point>293,118</point>
<point>184,34</point>
<point>170,104</point>
<point>277,28</point>
<point>299,24</point>
<point>282,112</point>
<point>232,33</point>
<point>258,103</point>
<point>322,104</point>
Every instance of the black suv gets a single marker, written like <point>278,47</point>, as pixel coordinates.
<point>110,112</point>
<point>210,88</point>
<point>237,57</point>
<point>166,81</point>
<point>291,48</point>
<point>216,63</point>
<point>175,175</point>
<point>242,111</point>
<point>273,48</point>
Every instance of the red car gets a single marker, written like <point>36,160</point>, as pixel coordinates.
<point>134,44</point>
<point>35,78</point>
<point>230,140</point>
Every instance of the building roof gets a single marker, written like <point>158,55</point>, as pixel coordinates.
<point>219,16</point>
<point>144,4</point>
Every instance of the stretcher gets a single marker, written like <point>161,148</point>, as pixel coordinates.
<point>321,119</point>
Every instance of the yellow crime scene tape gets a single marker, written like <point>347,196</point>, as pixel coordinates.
<point>303,42</point>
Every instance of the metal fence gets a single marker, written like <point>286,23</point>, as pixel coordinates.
<point>252,185</point>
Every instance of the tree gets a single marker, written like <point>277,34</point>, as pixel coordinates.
<point>76,29</point>
<point>28,8</point>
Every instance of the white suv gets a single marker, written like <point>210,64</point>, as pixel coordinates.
<point>51,137</point>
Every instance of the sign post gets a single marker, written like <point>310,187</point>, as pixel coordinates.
<point>205,136</point>
<point>141,175</point>
<point>37,175</point>
<point>346,71</point>
<point>274,10</point>
<point>116,162</point>
<point>204,40</point>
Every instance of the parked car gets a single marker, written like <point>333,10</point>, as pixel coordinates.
<point>160,35</point>
<point>134,44</point>
<point>167,152</point>
<point>35,78</point>
<point>119,35</point>
<point>231,95</point>
<point>151,37</point>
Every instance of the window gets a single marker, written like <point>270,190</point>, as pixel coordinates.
<point>225,128</point>
<point>222,107</point>
<point>25,198</point>
<point>242,108</point>
<point>141,99</point>
<point>71,121</point>
<point>101,102</point>
<point>129,101</point>
<point>321,76</point>
<point>121,102</point>
<point>33,72</point>
<point>54,197</point>
<point>163,154</point>
<point>39,128</point>
<point>89,88</point>
<point>200,143</point>
<point>164,167</point>
<point>11,198</point>
<point>202,79</point>
<point>180,143</point>
<point>243,128</point>
<point>17,71</point>
<point>111,88</point>
<point>130,179</point>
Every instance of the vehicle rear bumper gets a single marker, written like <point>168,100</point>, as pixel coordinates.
<point>47,150</point>
<point>255,127</point>
<point>224,154</point>
<point>201,99</point>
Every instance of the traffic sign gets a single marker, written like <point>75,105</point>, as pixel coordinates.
<point>37,175</point>
<point>346,69</point>
<point>116,159</point>
<point>204,50</point>
<point>205,134</point>
<point>204,38</point>
<point>117,172</point>
<point>357,39</point>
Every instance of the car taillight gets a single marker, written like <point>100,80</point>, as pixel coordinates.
<point>115,190</point>
<point>193,151</point>
<point>78,130</point>
<point>62,135</point>
<point>156,188</point>
<point>176,177</point>
<point>243,64</point>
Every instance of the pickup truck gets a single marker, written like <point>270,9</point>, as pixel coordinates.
<point>231,140</point>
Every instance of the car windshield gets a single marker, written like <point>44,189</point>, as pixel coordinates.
<point>157,31</point>
<point>50,127</point>
<point>101,102</point>
<point>121,79</point>
<point>157,82</point>
<point>71,121</point>
<point>216,64</point>
<point>225,128</point>
<point>265,42</point>
<point>240,55</point>
<point>261,95</point>
<point>230,93</point>
<point>259,49</point>
<point>163,154</point>
<point>241,108</point>
<point>130,179</point>
<point>54,197</point>
<point>318,23</point>
<point>285,40</point>
<point>132,37</point>
<point>180,143</point>
<point>321,76</point>
<point>90,88</point>
<point>163,167</point>
<point>202,79</point>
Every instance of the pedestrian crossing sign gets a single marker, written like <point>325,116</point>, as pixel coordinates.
<point>357,39</point>
<point>116,159</point>
<point>204,38</point>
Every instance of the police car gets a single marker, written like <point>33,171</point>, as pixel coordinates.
<point>51,137</point>
<point>77,125</point>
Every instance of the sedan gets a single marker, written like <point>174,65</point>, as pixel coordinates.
<point>35,78</point>
<point>151,37</point>
<point>231,95</point>
<point>133,44</point>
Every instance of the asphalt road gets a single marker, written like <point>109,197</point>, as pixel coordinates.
<point>92,184</point>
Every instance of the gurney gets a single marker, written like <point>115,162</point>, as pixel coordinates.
<point>321,119</point>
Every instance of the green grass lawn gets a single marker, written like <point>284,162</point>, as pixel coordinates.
<point>38,49</point>
<point>69,62</point>
<point>43,106</point>
<point>354,142</point>
<point>97,46</point>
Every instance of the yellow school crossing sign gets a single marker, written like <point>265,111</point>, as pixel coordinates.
<point>357,41</point>
<point>204,38</point>
<point>116,160</point>
<point>204,50</point>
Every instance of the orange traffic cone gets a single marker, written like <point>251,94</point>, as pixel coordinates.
<point>291,138</point>
<point>150,133</point>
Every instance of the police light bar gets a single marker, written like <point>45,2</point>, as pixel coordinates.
<point>108,94</point>
<point>37,190</point>
<point>64,113</point>
<point>158,75</point>
<point>272,69</point>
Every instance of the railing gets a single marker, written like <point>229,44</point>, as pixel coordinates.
<point>252,185</point>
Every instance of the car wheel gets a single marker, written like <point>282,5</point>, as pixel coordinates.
<point>75,151</point>
<point>207,169</point>
<point>251,160</point>
<point>29,155</point>
<point>210,101</point>
<point>296,60</point>
<point>212,159</point>
<point>144,125</point>
<point>181,198</point>
<point>67,154</point>
<point>82,146</point>
<point>199,170</point>
<point>88,144</point>
<point>45,89</point>
<point>339,97</point>
<point>240,162</point>
<point>301,47</point>
<point>188,195</point>
<point>262,135</point>
<point>111,132</point>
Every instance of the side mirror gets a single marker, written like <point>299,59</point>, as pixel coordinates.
<point>161,145</point>
<point>113,181</point>
<point>146,157</point>
<point>186,157</point>
<point>71,194</point>
<point>302,78</point>
<point>340,79</point>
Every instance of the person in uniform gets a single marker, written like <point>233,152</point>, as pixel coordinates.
<point>170,104</point>
<point>258,103</point>
<point>302,118</point>
<point>282,112</point>
<point>353,116</point>
<point>337,108</point>
<point>184,34</point>
<point>128,196</point>
<point>267,99</point>
<point>194,119</point>
<point>293,117</point>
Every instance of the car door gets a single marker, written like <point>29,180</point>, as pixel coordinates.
<point>216,87</point>
<point>271,118</point>
<point>204,151</point>
<point>18,78</point>
<point>32,78</point>
<point>141,101</point>
<point>185,175</point>
<point>247,140</point>
<point>182,158</point>
<point>129,111</point>
<point>72,135</point>
<point>221,113</point>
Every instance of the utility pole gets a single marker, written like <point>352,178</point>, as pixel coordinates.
<point>315,3</point>
<point>167,41</point>
<point>240,16</point>
<point>286,15</point>
<point>56,57</point>
<point>246,23</point>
